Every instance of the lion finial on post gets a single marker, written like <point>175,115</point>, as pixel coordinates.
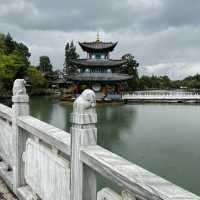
<point>19,87</point>
<point>83,133</point>
<point>85,103</point>
<point>20,107</point>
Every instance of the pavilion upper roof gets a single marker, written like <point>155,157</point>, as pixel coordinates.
<point>98,46</point>
<point>98,63</point>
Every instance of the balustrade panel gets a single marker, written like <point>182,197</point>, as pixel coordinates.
<point>46,172</point>
<point>6,151</point>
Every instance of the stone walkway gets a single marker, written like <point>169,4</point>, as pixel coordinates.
<point>5,194</point>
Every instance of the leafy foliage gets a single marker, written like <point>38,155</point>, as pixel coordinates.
<point>45,64</point>
<point>14,61</point>
<point>130,68</point>
<point>9,44</point>
<point>155,82</point>
<point>191,82</point>
<point>163,82</point>
<point>36,79</point>
<point>70,54</point>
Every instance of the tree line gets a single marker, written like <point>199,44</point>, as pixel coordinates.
<point>15,63</point>
<point>165,83</point>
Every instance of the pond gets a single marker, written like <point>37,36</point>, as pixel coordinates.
<point>163,138</point>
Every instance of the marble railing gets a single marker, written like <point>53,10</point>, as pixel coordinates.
<point>40,161</point>
<point>161,95</point>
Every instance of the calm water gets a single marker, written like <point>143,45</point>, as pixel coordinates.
<point>164,139</point>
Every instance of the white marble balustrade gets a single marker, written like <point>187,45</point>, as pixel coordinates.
<point>40,161</point>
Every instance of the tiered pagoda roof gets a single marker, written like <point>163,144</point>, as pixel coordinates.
<point>98,58</point>
<point>98,46</point>
<point>98,62</point>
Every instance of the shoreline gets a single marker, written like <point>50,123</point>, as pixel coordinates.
<point>104,102</point>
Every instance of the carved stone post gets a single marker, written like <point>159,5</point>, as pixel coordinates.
<point>20,108</point>
<point>83,132</point>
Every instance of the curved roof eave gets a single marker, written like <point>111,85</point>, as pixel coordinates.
<point>97,63</point>
<point>121,77</point>
<point>97,46</point>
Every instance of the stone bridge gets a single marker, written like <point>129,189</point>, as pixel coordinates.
<point>40,161</point>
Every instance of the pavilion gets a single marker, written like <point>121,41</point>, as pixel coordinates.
<point>98,71</point>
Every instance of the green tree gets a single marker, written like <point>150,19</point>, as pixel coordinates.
<point>23,50</point>
<point>144,83</point>
<point>2,41</point>
<point>130,68</point>
<point>155,82</point>
<point>35,78</point>
<point>70,54</point>
<point>191,82</point>
<point>9,44</point>
<point>14,63</point>
<point>14,60</point>
<point>45,64</point>
<point>11,67</point>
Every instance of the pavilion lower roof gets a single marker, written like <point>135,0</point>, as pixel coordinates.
<point>98,63</point>
<point>98,77</point>
<point>98,46</point>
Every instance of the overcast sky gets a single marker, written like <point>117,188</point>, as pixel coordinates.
<point>163,35</point>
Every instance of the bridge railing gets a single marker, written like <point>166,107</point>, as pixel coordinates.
<point>161,92</point>
<point>160,95</point>
<point>6,150</point>
<point>46,160</point>
<point>40,161</point>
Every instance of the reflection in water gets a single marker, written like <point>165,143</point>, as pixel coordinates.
<point>50,111</point>
<point>112,122</point>
<point>41,108</point>
<point>162,138</point>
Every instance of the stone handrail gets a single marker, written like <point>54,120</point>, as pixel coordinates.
<point>5,112</point>
<point>48,163</point>
<point>143,184</point>
<point>48,133</point>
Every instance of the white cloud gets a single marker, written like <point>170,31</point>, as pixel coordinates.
<point>173,70</point>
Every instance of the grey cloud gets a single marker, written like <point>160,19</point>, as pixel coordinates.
<point>74,15</point>
<point>173,70</point>
<point>109,15</point>
<point>162,34</point>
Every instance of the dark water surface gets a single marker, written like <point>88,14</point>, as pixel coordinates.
<point>163,138</point>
